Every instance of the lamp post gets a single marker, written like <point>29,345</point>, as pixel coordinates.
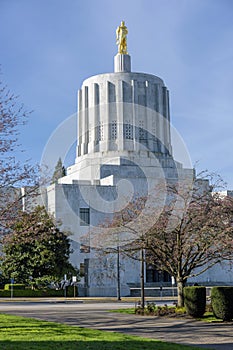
<point>142,280</point>
<point>173,285</point>
<point>118,274</point>
<point>12,288</point>
<point>74,280</point>
<point>65,279</point>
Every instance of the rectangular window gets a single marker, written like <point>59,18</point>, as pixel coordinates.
<point>84,215</point>
<point>99,132</point>
<point>128,131</point>
<point>113,130</point>
<point>142,131</point>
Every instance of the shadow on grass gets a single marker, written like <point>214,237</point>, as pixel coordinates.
<point>92,345</point>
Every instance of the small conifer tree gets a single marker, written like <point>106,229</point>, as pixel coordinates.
<point>59,171</point>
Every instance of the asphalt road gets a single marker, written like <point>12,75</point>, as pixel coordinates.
<point>95,315</point>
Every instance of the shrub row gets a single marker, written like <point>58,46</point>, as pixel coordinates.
<point>39,293</point>
<point>221,302</point>
<point>15,286</point>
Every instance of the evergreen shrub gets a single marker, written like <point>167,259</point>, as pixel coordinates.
<point>195,300</point>
<point>222,302</point>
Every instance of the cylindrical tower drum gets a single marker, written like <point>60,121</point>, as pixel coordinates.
<point>123,111</point>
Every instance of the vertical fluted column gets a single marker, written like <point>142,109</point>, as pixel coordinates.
<point>147,114</point>
<point>168,124</point>
<point>86,120</point>
<point>82,117</point>
<point>79,131</point>
<point>160,120</point>
<point>113,134</point>
<point>96,116</point>
<point>166,130</point>
<point>135,109</point>
<point>120,115</point>
<point>165,136</point>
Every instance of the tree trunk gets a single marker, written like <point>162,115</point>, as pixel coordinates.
<point>180,292</point>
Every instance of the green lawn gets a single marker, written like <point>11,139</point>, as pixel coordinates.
<point>209,317</point>
<point>19,333</point>
<point>130,311</point>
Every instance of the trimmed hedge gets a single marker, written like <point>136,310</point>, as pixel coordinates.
<point>222,302</point>
<point>195,301</point>
<point>39,293</point>
<point>15,286</point>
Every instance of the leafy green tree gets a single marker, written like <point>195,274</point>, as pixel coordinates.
<point>36,250</point>
<point>59,171</point>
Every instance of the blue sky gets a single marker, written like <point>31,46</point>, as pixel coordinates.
<point>48,47</point>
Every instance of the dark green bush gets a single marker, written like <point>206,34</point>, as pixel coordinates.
<point>195,301</point>
<point>222,302</point>
<point>29,293</point>
<point>16,286</point>
<point>70,291</point>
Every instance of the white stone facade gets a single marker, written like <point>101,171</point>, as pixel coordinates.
<point>123,150</point>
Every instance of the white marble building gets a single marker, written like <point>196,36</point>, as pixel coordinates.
<point>123,150</point>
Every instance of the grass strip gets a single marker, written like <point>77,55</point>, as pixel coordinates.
<point>20,333</point>
<point>129,311</point>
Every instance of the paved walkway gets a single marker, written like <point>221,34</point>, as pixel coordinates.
<point>95,315</point>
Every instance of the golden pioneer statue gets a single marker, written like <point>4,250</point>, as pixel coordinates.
<point>121,38</point>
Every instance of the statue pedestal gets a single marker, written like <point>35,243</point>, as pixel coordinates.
<point>122,63</point>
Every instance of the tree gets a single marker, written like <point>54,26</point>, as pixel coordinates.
<point>59,171</point>
<point>36,249</point>
<point>190,232</point>
<point>192,237</point>
<point>13,173</point>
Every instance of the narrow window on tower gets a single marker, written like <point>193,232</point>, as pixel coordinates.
<point>84,215</point>
<point>100,132</point>
<point>128,131</point>
<point>142,131</point>
<point>113,130</point>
